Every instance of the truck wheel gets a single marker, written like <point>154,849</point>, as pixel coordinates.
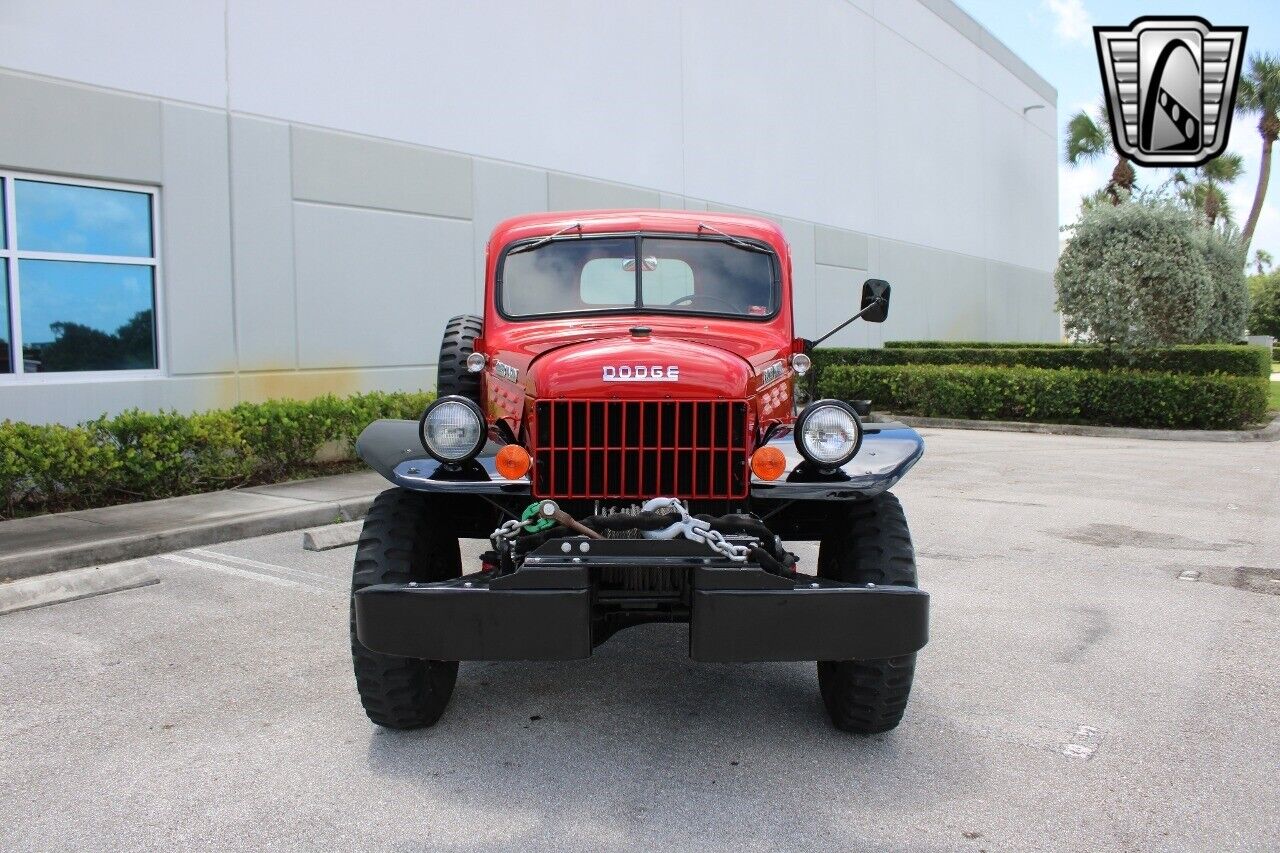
<point>868,543</point>
<point>452,376</point>
<point>402,541</point>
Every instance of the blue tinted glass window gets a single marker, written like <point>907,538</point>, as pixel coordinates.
<point>82,220</point>
<point>6,366</point>
<point>86,316</point>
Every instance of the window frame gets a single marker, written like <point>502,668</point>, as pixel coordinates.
<point>639,237</point>
<point>10,255</point>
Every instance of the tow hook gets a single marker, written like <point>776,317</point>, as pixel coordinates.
<point>552,510</point>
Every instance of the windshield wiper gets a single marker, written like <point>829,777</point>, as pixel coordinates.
<point>547,239</point>
<point>741,244</point>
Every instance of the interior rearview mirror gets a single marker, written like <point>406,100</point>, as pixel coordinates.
<point>875,300</point>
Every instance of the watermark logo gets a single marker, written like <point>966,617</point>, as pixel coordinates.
<point>1170,87</point>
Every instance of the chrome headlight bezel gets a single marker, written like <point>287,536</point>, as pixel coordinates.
<point>809,412</point>
<point>482,429</point>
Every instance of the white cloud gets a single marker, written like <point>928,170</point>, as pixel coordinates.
<point>1070,20</point>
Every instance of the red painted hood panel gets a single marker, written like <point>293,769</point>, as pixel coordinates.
<point>640,367</point>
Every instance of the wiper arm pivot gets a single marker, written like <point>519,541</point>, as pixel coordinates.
<point>741,244</point>
<point>547,239</point>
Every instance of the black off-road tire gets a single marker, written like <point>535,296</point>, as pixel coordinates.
<point>405,538</point>
<point>868,542</point>
<point>452,376</point>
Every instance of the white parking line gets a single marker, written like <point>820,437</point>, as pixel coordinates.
<point>228,570</point>
<point>271,568</point>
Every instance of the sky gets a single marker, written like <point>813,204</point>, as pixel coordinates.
<point>1055,37</point>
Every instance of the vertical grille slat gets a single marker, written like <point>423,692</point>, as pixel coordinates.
<point>639,448</point>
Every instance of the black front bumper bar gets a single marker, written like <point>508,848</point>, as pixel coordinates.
<point>545,609</point>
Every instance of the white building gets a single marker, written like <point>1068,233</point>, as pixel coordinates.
<point>221,200</point>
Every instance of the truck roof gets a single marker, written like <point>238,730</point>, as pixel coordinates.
<point>637,219</point>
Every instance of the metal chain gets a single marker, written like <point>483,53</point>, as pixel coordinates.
<point>694,529</point>
<point>505,534</point>
<point>715,539</point>
<point>685,525</point>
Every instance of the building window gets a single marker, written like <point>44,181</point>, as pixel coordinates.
<point>78,282</point>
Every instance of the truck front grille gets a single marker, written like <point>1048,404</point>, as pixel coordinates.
<point>639,448</point>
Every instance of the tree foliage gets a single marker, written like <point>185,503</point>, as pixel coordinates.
<point>1228,309</point>
<point>1088,138</point>
<point>1135,275</point>
<point>1264,308</point>
<point>76,346</point>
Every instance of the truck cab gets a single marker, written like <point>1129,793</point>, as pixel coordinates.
<point>623,424</point>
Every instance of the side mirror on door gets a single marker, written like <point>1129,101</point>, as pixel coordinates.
<point>875,306</point>
<point>875,300</point>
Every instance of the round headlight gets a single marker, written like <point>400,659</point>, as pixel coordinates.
<point>828,433</point>
<point>452,429</point>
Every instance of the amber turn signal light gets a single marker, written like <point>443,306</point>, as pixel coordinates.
<point>768,463</point>
<point>513,461</point>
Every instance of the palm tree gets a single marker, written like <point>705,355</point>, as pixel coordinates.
<point>1088,139</point>
<point>1262,260</point>
<point>1207,194</point>
<point>1260,95</point>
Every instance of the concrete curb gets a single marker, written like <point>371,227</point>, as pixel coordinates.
<point>54,551</point>
<point>74,585</point>
<point>57,559</point>
<point>331,536</point>
<point>1271,432</point>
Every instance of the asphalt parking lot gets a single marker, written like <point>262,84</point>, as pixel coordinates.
<point>1076,694</point>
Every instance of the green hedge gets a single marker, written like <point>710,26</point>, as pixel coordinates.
<point>1196,360</point>
<point>1115,398</point>
<point>140,455</point>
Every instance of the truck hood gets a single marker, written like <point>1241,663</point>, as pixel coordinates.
<point>639,367</point>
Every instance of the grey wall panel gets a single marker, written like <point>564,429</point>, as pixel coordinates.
<point>1002,302</point>
<point>975,32</point>
<point>570,192</point>
<point>804,280</point>
<point>196,264</point>
<point>307,384</point>
<point>957,285</point>
<point>671,201</point>
<point>262,231</point>
<point>54,127</point>
<point>501,191</point>
<point>717,207</point>
<point>906,269</point>
<point>940,295</point>
<point>1035,292</point>
<point>344,169</point>
<point>74,402</point>
<point>840,248</point>
<point>374,287</point>
<point>1020,304</point>
<point>841,290</point>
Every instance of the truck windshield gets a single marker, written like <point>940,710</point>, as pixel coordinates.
<point>674,275</point>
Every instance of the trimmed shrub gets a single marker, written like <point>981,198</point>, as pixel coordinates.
<point>140,455</point>
<point>1192,359</point>
<point>1135,275</point>
<point>1116,398</point>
